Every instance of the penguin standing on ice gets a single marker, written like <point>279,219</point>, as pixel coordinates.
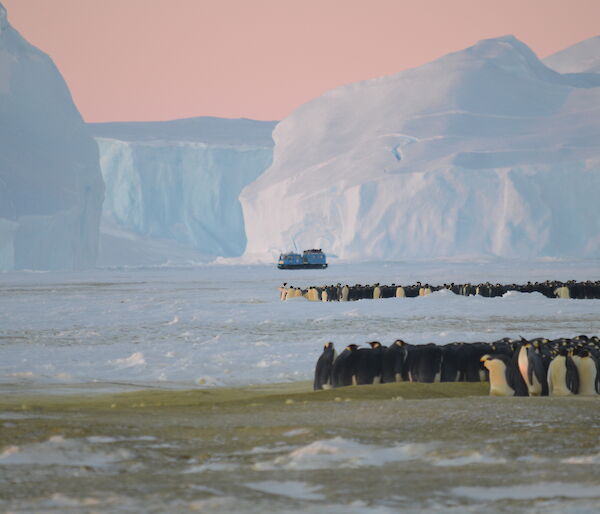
<point>345,367</point>
<point>394,357</point>
<point>324,367</point>
<point>424,364</point>
<point>505,379</point>
<point>345,293</point>
<point>537,377</point>
<point>369,363</point>
<point>449,365</point>
<point>563,378</point>
<point>587,370</point>
<point>531,368</point>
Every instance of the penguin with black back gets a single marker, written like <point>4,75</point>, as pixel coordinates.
<point>324,367</point>
<point>520,378</point>
<point>409,357</point>
<point>369,362</point>
<point>394,357</point>
<point>587,370</point>
<point>537,381</point>
<point>505,379</point>
<point>345,367</point>
<point>468,361</point>
<point>572,374</point>
<point>425,363</point>
<point>562,374</point>
<point>449,365</point>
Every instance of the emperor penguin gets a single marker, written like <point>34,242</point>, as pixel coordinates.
<point>394,357</point>
<point>504,376</point>
<point>314,294</point>
<point>522,359</point>
<point>400,292</point>
<point>531,368</point>
<point>587,370</point>
<point>344,369</point>
<point>324,367</point>
<point>537,375</point>
<point>563,379</point>
<point>369,364</point>
<point>449,365</point>
<point>376,292</point>
<point>345,293</point>
<point>425,362</point>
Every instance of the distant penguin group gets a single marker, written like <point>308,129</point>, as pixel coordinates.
<point>538,367</point>
<point>344,293</point>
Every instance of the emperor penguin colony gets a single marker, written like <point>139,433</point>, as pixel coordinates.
<point>536,367</point>
<point>551,289</point>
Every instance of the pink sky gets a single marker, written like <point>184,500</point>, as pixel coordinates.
<point>166,59</point>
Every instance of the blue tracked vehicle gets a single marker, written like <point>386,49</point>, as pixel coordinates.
<point>309,259</point>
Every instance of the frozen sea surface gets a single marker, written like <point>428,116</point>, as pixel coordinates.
<point>203,326</point>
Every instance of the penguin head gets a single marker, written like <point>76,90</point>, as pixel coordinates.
<point>375,344</point>
<point>352,347</point>
<point>328,345</point>
<point>399,342</point>
<point>486,360</point>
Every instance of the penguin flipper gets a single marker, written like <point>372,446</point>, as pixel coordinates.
<point>572,376</point>
<point>539,371</point>
<point>515,380</point>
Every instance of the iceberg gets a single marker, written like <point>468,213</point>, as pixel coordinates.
<point>51,188</point>
<point>485,152</point>
<point>177,183</point>
<point>583,57</point>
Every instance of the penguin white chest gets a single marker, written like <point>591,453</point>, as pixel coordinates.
<point>557,377</point>
<point>498,384</point>
<point>587,376</point>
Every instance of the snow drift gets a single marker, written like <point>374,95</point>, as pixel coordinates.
<point>483,152</point>
<point>178,182</point>
<point>51,189</point>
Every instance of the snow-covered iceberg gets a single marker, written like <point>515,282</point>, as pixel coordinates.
<point>51,188</point>
<point>483,152</point>
<point>178,183</point>
<point>583,57</point>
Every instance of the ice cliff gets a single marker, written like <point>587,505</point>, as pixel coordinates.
<point>51,189</point>
<point>177,183</point>
<point>483,152</point>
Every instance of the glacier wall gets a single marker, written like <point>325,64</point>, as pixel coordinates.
<point>181,191</point>
<point>485,152</point>
<point>51,188</point>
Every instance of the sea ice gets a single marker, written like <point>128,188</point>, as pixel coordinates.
<point>289,488</point>
<point>539,491</point>
<point>342,453</point>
